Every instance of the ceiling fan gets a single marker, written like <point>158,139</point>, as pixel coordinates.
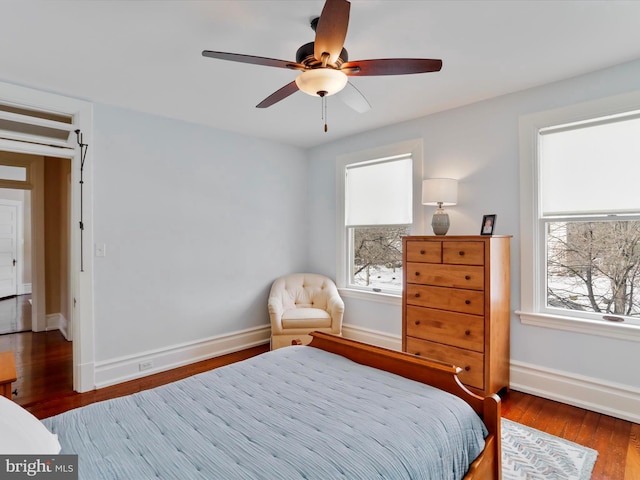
<point>324,63</point>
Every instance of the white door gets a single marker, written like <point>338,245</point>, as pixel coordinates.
<point>8,250</point>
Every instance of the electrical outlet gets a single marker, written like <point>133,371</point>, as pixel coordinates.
<point>145,365</point>
<point>101,250</point>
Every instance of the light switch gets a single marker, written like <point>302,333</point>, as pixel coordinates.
<point>101,250</point>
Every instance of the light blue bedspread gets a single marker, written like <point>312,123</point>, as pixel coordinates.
<point>294,413</point>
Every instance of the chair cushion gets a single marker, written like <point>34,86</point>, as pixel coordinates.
<point>305,317</point>
<point>305,290</point>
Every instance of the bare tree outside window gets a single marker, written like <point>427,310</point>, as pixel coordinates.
<point>594,266</point>
<point>377,256</point>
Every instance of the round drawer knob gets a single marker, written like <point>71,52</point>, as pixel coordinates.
<point>417,295</point>
<point>467,368</point>
<point>467,277</point>
<point>422,252</point>
<point>417,274</point>
<point>461,253</point>
<point>417,322</point>
<point>468,302</point>
<point>467,332</point>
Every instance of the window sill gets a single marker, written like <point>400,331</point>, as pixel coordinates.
<point>601,328</point>
<point>387,298</point>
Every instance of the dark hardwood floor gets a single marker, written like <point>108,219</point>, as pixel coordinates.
<point>44,385</point>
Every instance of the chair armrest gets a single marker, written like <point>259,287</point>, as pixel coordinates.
<point>335,305</point>
<point>276,309</point>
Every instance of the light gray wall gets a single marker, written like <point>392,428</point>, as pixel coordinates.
<point>479,145</point>
<point>197,223</point>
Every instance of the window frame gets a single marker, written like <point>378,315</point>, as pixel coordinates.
<point>414,148</point>
<point>533,309</point>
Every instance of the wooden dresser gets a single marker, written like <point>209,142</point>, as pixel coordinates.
<point>456,305</point>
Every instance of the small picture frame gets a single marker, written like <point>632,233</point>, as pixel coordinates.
<point>488,224</point>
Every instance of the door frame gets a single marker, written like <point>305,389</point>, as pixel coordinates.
<point>81,282</point>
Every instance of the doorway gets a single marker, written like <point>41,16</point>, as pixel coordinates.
<point>49,218</point>
<point>39,123</point>
<point>47,274</point>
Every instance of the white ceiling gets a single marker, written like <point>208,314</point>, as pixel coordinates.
<point>146,55</point>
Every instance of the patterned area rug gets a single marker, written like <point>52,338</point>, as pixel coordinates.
<point>531,454</point>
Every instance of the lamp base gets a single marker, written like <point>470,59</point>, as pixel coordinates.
<point>440,222</point>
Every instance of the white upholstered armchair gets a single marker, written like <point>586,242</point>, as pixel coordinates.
<point>302,303</point>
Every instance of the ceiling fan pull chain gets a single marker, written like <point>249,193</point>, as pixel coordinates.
<point>324,109</point>
<point>324,100</point>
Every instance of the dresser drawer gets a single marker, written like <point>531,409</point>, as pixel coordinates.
<point>463,253</point>
<point>453,299</point>
<point>457,329</point>
<point>457,276</point>
<point>430,252</point>
<point>472,363</point>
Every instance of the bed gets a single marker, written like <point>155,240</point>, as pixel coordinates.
<point>334,409</point>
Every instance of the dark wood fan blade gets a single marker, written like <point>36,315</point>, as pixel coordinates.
<point>353,98</point>
<point>332,30</point>
<point>238,57</point>
<point>391,66</point>
<point>281,94</point>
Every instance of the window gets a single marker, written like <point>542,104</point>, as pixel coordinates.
<point>377,204</point>
<point>588,195</point>
<point>378,214</point>
<point>17,174</point>
<point>581,216</point>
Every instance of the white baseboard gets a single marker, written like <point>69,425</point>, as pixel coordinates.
<point>24,289</point>
<point>614,399</point>
<point>57,321</point>
<point>373,337</point>
<point>127,368</point>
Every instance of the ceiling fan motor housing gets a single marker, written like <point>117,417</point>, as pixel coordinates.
<point>304,55</point>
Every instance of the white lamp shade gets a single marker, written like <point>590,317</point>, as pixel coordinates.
<point>440,190</point>
<point>327,80</point>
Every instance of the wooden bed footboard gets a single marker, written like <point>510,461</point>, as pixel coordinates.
<point>440,375</point>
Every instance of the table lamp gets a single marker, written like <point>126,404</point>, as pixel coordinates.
<point>440,192</point>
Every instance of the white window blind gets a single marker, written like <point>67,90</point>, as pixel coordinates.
<point>379,193</point>
<point>591,169</point>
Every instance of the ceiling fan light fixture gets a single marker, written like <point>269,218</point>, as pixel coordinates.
<point>326,80</point>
